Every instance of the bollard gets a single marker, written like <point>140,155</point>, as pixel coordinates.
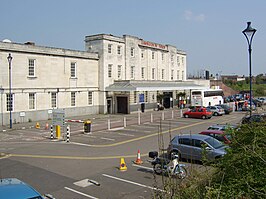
<point>125,122</point>
<point>151,118</point>
<point>181,113</point>
<point>139,118</point>
<point>68,134</point>
<point>52,132</point>
<point>163,115</point>
<point>108,124</point>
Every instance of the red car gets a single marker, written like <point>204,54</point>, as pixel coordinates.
<point>201,112</point>
<point>219,135</point>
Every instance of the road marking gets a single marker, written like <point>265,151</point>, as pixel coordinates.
<point>116,129</point>
<point>134,183</point>
<point>78,192</point>
<point>143,167</point>
<point>126,134</point>
<point>137,130</point>
<point>110,139</point>
<point>83,183</point>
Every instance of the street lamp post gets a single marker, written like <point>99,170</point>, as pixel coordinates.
<point>9,58</point>
<point>249,33</point>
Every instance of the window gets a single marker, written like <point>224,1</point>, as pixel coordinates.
<point>109,48</point>
<point>177,75</point>
<point>109,70</point>
<point>9,102</point>
<point>135,96</point>
<point>142,72</point>
<point>185,141</point>
<point>183,76</point>
<point>119,50</point>
<point>178,62</point>
<point>146,96</point>
<point>142,53</point>
<point>73,70</point>
<point>162,73</point>
<point>152,55</point>
<point>172,58</point>
<point>182,60</point>
<point>90,97</point>
<point>162,56</point>
<point>31,100</point>
<point>53,99</point>
<point>73,98</point>
<point>132,72</point>
<point>153,73</point>
<point>31,67</point>
<point>119,71</point>
<point>172,74</point>
<point>132,52</point>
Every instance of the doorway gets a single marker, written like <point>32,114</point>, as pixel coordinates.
<point>122,104</point>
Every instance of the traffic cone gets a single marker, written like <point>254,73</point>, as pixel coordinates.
<point>123,166</point>
<point>138,160</point>
<point>46,126</point>
<point>37,126</point>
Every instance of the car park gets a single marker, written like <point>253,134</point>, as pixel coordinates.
<point>192,146</point>
<point>219,135</point>
<point>198,112</point>
<point>216,110</point>
<point>254,118</point>
<point>222,127</point>
<point>13,188</point>
<point>227,109</point>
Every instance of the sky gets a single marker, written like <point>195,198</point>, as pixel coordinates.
<point>209,31</point>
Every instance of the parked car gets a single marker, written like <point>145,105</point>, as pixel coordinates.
<point>216,110</point>
<point>222,127</point>
<point>262,100</point>
<point>219,135</point>
<point>198,112</point>
<point>227,109</point>
<point>14,188</point>
<point>192,146</point>
<point>254,118</point>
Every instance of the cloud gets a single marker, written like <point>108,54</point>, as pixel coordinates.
<point>190,16</point>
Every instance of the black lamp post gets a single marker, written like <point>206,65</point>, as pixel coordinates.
<point>249,33</point>
<point>9,58</point>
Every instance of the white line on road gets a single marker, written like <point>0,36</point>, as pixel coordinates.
<point>131,182</point>
<point>126,134</point>
<point>103,138</point>
<point>83,194</point>
<point>143,167</point>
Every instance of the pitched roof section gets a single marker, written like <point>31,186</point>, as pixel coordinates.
<point>132,85</point>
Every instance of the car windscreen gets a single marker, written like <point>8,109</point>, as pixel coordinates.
<point>214,143</point>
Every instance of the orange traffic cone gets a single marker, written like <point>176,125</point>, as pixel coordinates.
<point>37,126</point>
<point>46,126</point>
<point>138,160</point>
<point>123,166</point>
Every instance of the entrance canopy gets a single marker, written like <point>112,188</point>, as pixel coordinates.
<point>134,85</point>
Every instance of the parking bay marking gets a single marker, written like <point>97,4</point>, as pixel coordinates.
<point>131,182</point>
<point>78,192</point>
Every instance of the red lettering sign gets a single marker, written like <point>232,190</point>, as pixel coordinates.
<point>154,45</point>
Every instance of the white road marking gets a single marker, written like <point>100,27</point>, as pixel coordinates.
<point>81,144</point>
<point>134,183</point>
<point>126,134</point>
<point>143,167</point>
<point>78,192</point>
<point>83,183</point>
<point>116,129</point>
<point>103,138</point>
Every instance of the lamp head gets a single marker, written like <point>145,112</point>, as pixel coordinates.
<point>9,58</point>
<point>249,32</point>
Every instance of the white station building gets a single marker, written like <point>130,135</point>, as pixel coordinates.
<point>113,75</point>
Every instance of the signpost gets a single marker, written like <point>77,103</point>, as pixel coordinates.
<point>58,120</point>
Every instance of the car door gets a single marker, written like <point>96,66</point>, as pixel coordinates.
<point>196,149</point>
<point>184,147</point>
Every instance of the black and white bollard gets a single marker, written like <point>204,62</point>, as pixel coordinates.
<point>52,132</point>
<point>68,134</point>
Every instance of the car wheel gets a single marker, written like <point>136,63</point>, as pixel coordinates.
<point>203,117</point>
<point>186,116</point>
<point>215,114</point>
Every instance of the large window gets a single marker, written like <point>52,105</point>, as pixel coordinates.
<point>9,102</point>
<point>31,100</point>
<point>90,97</point>
<point>146,96</point>
<point>162,73</point>
<point>132,72</point>
<point>54,99</point>
<point>109,70</point>
<point>73,70</point>
<point>119,50</point>
<point>153,73</point>
<point>119,71</point>
<point>142,72</point>
<point>73,98</point>
<point>135,97</point>
<point>152,55</point>
<point>172,74</point>
<point>132,52</point>
<point>142,53</point>
<point>32,67</point>
<point>177,75</point>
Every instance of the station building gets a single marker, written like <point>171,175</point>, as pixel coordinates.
<point>112,75</point>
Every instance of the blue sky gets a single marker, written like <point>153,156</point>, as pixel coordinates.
<point>210,31</point>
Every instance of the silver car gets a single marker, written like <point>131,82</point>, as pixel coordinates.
<point>216,110</point>
<point>192,147</point>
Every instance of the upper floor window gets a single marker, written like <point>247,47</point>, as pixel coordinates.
<point>31,67</point>
<point>109,70</point>
<point>172,74</point>
<point>54,99</point>
<point>182,60</point>
<point>119,71</point>
<point>172,57</point>
<point>109,48</point>
<point>132,52</point>
<point>135,97</point>
<point>90,97</point>
<point>162,73</point>
<point>142,72</point>
<point>178,60</point>
<point>177,75</point>
<point>73,70</point>
<point>162,56</point>
<point>73,98</point>
<point>132,72</point>
<point>152,55</point>
<point>142,53</point>
<point>153,73</point>
<point>31,100</point>
<point>146,96</point>
<point>119,50</point>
